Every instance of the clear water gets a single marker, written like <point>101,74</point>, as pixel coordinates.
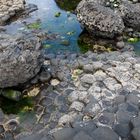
<point>137,48</point>
<point>65,26</point>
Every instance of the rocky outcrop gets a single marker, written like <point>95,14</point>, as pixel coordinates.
<point>130,14</point>
<point>99,20</point>
<point>10,8</point>
<point>107,18</point>
<point>20,58</point>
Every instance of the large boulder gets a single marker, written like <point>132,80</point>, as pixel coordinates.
<point>98,19</point>
<point>20,58</point>
<point>131,14</point>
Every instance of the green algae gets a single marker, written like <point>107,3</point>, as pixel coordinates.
<point>133,40</point>
<point>13,107</point>
<point>58,14</point>
<point>35,25</point>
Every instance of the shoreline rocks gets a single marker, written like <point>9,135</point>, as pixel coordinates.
<point>20,58</point>
<point>12,8</point>
<point>99,20</point>
<point>78,108</point>
<point>103,20</point>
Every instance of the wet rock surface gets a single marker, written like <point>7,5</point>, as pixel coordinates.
<point>106,107</point>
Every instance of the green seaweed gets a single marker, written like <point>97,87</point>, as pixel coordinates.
<point>13,107</point>
<point>35,25</point>
<point>57,14</point>
<point>47,46</point>
<point>133,40</point>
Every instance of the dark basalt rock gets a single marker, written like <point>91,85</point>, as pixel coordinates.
<point>20,58</point>
<point>130,14</point>
<point>98,19</point>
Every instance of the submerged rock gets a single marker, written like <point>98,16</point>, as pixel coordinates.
<point>98,19</point>
<point>11,94</point>
<point>20,58</point>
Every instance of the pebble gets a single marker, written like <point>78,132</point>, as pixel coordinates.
<point>55,82</point>
<point>78,106</point>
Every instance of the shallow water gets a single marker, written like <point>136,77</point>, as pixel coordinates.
<point>137,48</point>
<point>65,26</point>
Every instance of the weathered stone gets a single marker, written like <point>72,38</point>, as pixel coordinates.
<point>20,58</point>
<point>10,8</point>
<point>98,19</point>
<point>130,14</point>
<point>88,78</point>
<point>88,68</point>
<point>78,106</point>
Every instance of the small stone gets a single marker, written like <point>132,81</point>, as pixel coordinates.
<point>60,76</point>
<point>88,68</point>
<point>97,65</point>
<point>55,82</point>
<point>88,78</point>
<point>120,44</point>
<point>78,106</point>
<point>137,67</point>
<point>73,96</point>
<point>100,75</point>
<point>83,96</point>
<point>67,118</point>
<point>33,92</point>
<point>92,108</point>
